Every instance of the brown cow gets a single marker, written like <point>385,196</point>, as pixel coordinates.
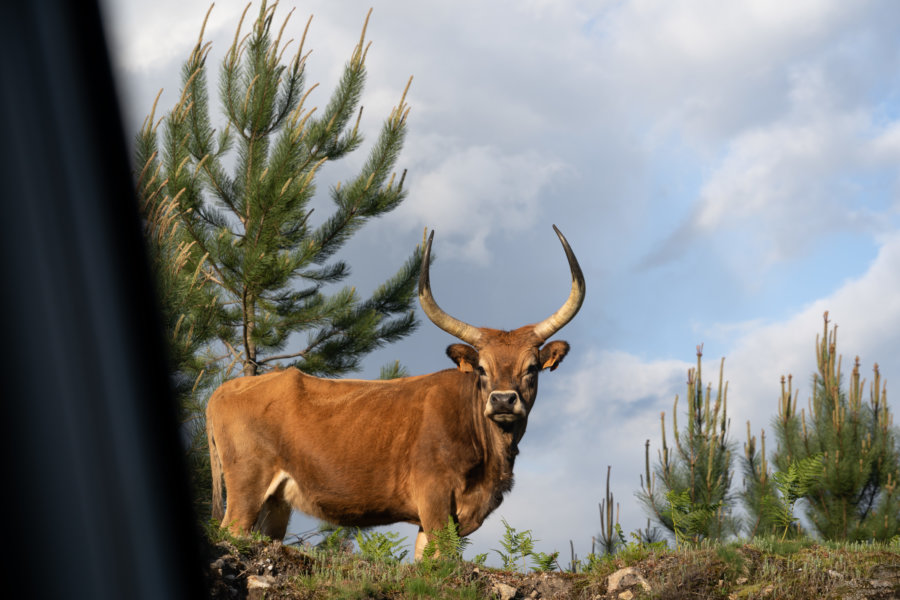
<point>360,453</point>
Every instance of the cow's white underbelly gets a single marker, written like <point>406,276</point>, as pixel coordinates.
<point>285,486</point>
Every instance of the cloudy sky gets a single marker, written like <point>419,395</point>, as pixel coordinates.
<point>725,172</point>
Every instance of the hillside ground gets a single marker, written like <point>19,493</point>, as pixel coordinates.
<point>258,568</point>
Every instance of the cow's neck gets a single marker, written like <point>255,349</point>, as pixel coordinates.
<point>500,446</point>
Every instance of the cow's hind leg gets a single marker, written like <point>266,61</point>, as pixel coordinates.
<point>245,494</point>
<point>273,517</point>
<point>275,511</point>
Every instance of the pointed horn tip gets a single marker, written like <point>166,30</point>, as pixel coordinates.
<point>423,272</point>
<point>549,326</point>
<point>560,235</point>
<point>426,250</point>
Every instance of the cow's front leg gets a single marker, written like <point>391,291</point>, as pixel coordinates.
<point>434,510</point>
<point>421,542</point>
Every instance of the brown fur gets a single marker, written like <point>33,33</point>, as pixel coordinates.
<point>360,453</point>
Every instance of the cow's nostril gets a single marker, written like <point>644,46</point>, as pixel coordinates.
<point>504,398</point>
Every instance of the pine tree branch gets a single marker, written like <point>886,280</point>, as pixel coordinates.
<point>203,248</point>
<point>269,359</point>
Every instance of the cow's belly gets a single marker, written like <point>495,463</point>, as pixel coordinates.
<point>341,507</point>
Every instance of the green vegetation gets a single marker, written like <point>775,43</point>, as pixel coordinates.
<point>798,481</point>
<point>191,315</point>
<point>690,520</point>
<point>841,458</point>
<point>840,461</point>
<point>760,567</point>
<point>689,491</point>
<point>244,268</point>
<point>610,536</point>
<point>445,544</point>
<point>517,546</point>
<point>376,545</point>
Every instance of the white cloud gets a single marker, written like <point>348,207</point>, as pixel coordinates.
<point>145,36</point>
<point>471,192</point>
<point>867,312</point>
<point>708,68</point>
<point>790,171</point>
<point>782,187</point>
<point>619,379</point>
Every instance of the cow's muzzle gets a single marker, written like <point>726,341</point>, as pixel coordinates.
<point>505,407</point>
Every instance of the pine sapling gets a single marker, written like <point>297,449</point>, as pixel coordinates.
<point>608,539</point>
<point>697,468</point>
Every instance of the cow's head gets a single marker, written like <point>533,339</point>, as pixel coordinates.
<point>507,363</point>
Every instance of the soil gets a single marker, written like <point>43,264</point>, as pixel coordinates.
<point>270,570</point>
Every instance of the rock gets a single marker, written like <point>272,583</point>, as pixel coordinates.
<point>626,595</point>
<point>626,578</point>
<point>503,591</point>
<point>258,586</point>
<point>217,565</point>
<point>550,587</point>
<point>260,582</point>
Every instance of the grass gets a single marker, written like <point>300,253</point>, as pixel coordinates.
<point>348,576</point>
<point>742,570</point>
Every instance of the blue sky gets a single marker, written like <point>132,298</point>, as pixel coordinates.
<point>725,172</point>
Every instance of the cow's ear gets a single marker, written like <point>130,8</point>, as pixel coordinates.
<point>465,357</point>
<point>553,353</point>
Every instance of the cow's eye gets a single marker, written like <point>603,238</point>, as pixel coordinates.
<point>480,370</point>
<point>531,370</point>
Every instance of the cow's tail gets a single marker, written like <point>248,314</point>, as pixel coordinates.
<point>215,465</point>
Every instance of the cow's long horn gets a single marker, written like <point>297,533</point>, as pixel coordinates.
<point>455,327</point>
<point>557,320</point>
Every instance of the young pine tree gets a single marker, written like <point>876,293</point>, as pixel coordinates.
<point>250,230</point>
<point>609,539</point>
<point>191,315</point>
<point>242,267</point>
<point>694,502</point>
<point>759,497</point>
<point>855,496</point>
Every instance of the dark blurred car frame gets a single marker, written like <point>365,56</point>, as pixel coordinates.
<point>95,486</point>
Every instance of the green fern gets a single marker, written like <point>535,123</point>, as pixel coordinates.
<point>798,481</point>
<point>544,563</point>
<point>516,545</point>
<point>384,547</point>
<point>689,520</point>
<point>446,543</point>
